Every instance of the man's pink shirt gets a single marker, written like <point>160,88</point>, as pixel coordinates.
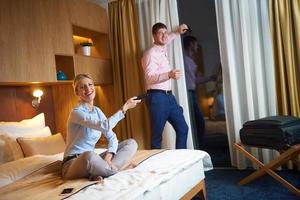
<point>156,66</point>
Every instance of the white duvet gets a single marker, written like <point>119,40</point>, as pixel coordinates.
<point>15,170</point>
<point>128,184</point>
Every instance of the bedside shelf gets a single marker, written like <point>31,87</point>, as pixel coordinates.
<point>65,63</point>
<point>100,48</point>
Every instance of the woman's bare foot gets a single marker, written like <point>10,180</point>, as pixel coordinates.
<point>96,178</point>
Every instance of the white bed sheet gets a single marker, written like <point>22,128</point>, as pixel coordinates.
<point>167,175</point>
<point>212,126</point>
<point>153,177</point>
<point>178,186</point>
<point>15,170</point>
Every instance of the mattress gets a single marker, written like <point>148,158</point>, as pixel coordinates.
<point>166,175</point>
<point>173,189</point>
<point>213,126</point>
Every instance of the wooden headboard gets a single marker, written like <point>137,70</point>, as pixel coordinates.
<point>15,104</point>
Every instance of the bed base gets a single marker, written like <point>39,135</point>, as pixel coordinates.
<point>197,189</point>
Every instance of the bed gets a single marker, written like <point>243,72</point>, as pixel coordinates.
<point>151,174</point>
<point>215,126</point>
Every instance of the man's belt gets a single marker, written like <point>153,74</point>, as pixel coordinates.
<point>157,90</point>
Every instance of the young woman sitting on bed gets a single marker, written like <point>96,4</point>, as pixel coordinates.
<point>85,124</point>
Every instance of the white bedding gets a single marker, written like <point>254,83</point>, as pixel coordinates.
<point>15,170</point>
<point>178,185</point>
<point>128,184</point>
<point>213,126</point>
<point>134,183</point>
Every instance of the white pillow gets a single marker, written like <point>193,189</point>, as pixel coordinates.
<point>36,122</point>
<point>9,148</point>
<point>13,130</point>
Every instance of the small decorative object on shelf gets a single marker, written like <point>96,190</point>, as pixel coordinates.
<point>61,75</point>
<point>86,48</point>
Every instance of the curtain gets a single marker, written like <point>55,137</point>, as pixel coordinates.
<point>285,23</point>
<point>128,75</point>
<point>165,11</point>
<point>285,28</point>
<point>248,69</point>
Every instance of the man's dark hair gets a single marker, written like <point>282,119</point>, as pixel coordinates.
<point>157,26</point>
<point>188,40</point>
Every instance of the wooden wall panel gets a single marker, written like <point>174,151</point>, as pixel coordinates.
<point>31,33</point>
<point>8,108</point>
<point>99,69</point>
<point>16,104</point>
<point>101,46</point>
<point>25,51</point>
<point>65,100</point>
<point>88,15</point>
<point>60,27</point>
<point>105,101</point>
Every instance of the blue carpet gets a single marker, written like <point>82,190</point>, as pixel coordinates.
<point>221,184</point>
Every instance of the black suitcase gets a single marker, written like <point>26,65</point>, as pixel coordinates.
<point>275,132</point>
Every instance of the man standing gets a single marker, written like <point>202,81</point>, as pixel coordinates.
<point>158,73</point>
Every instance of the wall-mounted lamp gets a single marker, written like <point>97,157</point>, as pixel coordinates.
<point>36,101</point>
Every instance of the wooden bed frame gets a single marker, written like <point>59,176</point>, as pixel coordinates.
<point>197,189</point>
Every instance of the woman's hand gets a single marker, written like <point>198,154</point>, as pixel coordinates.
<point>130,103</point>
<point>108,157</point>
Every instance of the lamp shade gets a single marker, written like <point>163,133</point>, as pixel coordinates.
<point>38,93</point>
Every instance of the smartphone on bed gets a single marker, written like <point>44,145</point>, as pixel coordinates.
<point>66,191</point>
<point>142,96</point>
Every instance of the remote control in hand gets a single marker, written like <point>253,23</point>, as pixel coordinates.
<point>142,96</point>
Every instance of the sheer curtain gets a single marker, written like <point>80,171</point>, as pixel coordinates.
<point>165,11</point>
<point>247,61</point>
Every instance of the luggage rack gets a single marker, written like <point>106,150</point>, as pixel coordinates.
<point>285,155</point>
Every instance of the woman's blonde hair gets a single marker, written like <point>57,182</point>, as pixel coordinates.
<point>77,78</point>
